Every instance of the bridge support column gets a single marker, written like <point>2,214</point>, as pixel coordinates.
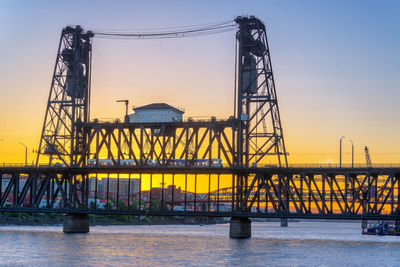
<point>240,227</point>
<point>76,223</point>
<point>364,224</point>
<point>284,222</point>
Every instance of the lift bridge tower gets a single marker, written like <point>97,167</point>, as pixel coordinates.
<point>68,102</point>
<point>259,132</point>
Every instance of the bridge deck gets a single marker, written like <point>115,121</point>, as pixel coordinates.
<point>295,192</point>
<point>197,170</point>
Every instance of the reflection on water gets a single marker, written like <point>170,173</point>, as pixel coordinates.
<point>300,244</point>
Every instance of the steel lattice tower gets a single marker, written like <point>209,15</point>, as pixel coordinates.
<point>259,130</point>
<point>68,104</point>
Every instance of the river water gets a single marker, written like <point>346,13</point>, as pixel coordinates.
<point>304,243</point>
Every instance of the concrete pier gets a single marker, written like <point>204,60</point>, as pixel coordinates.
<point>76,223</point>
<point>284,222</point>
<point>364,224</point>
<point>240,227</point>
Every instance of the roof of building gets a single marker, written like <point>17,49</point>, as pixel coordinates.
<point>158,106</point>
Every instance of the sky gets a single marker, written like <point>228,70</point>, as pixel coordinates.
<point>336,66</point>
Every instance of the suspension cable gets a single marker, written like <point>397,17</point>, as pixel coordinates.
<point>182,32</point>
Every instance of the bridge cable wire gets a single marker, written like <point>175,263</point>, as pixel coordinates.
<point>176,28</point>
<point>184,32</point>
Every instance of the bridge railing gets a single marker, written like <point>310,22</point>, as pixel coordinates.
<point>335,165</point>
<point>8,164</point>
<point>225,165</point>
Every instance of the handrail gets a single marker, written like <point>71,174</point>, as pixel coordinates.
<point>295,165</point>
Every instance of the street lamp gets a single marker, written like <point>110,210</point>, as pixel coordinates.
<point>352,153</point>
<point>340,153</point>
<point>26,153</point>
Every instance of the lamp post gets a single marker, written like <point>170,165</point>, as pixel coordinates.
<point>26,153</point>
<point>352,153</point>
<point>340,152</point>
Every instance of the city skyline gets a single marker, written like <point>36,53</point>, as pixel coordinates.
<point>335,67</point>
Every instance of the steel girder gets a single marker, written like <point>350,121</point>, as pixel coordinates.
<point>162,142</point>
<point>42,190</point>
<point>302,191</point>
<point>274,192</point>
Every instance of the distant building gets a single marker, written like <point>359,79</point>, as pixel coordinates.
<point>156,112</point>
<point>124,187</point>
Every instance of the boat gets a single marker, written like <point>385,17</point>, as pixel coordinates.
<point>383,228</point>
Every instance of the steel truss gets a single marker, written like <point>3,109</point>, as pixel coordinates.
<point>43,185</point>
<point>252,134</point>
<point>274,192</point>
<point>260,134</point>
<point>162,142</point>
<point>313,191</point>
<point>69,98</point>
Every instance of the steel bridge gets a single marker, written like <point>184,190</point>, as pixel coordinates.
<point>325,193</point>
<point>153,185</point>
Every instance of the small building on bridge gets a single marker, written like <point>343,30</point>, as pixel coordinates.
<point>156,112</point>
